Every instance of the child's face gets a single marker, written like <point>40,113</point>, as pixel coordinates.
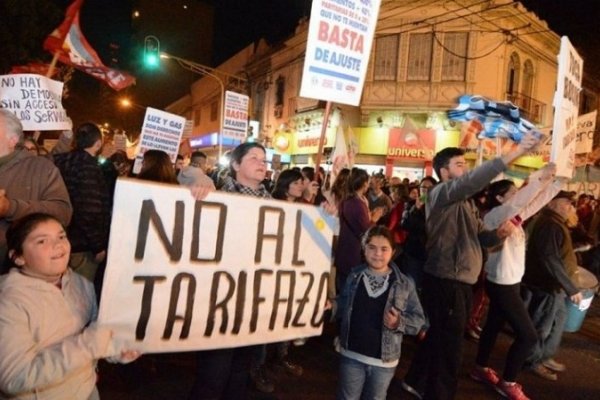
<point>378,253</point>
<point>46,250</point>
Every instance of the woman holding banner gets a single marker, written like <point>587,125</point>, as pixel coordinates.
<point>223,373</point>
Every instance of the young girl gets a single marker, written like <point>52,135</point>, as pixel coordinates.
<point>48,349</point>
<point>377,306</point>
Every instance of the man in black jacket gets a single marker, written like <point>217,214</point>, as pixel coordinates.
<point>550,265</point>
<point>91,200</point>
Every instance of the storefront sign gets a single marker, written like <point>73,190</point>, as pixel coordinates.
<point>418,144</point>
<point>340,36</point>
<point>566,108</point>
<point>227,271</point>
<point>35,100</point>
<point>308,142</point>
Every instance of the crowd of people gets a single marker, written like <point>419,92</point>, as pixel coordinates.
<point>406,261</point>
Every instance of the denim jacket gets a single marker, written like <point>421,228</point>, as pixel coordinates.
<point>402,295</point>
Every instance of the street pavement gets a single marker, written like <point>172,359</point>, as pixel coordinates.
<point>170,376</point>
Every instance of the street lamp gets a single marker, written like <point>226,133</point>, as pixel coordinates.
<point>220,76</point>
<point>127,103</point>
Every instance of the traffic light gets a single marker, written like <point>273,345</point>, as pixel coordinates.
<point>151,52</point>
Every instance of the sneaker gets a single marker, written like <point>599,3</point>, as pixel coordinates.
<point>512,391</point>
<point>337,346</point>
<point>472,334</point>
<point>554,365</point>
<point>300,341</point>
<point>290,367</point>
<point>485,375</point>
<point>261,382</point>
<point>544,372</point>
<point>407,388</point>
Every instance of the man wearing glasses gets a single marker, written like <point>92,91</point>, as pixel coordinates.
<point>550,265</point>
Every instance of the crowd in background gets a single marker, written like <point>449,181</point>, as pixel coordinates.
<point>424,258</point>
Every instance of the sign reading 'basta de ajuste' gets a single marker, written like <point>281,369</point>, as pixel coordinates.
<point>224,272</point>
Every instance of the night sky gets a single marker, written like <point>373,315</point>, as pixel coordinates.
<point>239,22</point>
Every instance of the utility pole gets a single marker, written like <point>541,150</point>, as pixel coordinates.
<point>223,78</point>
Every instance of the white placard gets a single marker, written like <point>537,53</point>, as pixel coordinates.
<point>566,109</point>
<point>586,125</point>
<point>35,100</point>
<point>340,36</point>
<point>161,131</point>
<point>235,121</point>
<point>224,272</point>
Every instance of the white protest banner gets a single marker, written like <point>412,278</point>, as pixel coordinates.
<point>224,272</point>
<point>161,131</point>
<point>340,36</point>
<point>586,125</point>
<point>566,109</point>
<point>235,122</point>
<point>35,100</point>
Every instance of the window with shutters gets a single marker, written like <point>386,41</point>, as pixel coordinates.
<point>454,60</point>
<point>386,58</point>
<point>419,56</point>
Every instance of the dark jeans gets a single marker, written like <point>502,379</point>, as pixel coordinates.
<point>506,305</point>
<point>413,268</point>
<point>222,374</point>
<point>447,304</point>
<point>548,312</point>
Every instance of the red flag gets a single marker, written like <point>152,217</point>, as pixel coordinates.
<point>33,68</point>
<point>73,49</point>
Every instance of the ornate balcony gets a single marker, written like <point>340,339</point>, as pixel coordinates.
<point>531,109</point>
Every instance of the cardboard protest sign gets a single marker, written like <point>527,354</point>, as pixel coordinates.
<point>340,36</point>
<point>35,100</point>
<point>235,122</point>
<point>224,272</point>
<point>586,125</point>
<point>161,131</point>
<point>566,109</point>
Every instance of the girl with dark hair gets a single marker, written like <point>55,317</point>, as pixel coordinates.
<point>339,187</point>
<point>157,167</point>
<point>504,267</point>
<point>355,219</point>
<point>377,306</point>
<point>48,348</point>
<point>290,186</point>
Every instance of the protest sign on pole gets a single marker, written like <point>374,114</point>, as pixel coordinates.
<point>586,125</point>
<point>340,36</point>
<point>566,109</point>
<point>35,100</point>
<point>235,123</point>
<point>227,271</point>
<point>161,131</point>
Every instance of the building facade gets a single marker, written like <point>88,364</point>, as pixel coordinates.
<point>425,55</point>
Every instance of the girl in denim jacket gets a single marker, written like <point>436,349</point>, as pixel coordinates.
<point>377,306</point>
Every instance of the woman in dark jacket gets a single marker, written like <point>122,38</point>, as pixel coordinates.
<point>355,219</point>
